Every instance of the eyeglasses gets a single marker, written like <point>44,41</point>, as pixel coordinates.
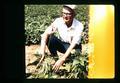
<point>68,14</point>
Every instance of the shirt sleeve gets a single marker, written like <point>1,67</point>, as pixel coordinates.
<point>51,28</point>
<point>78,33</point>
<point>56,23</point>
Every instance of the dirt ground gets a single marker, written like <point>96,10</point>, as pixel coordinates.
<point>34,49</point>
<point>30,57</point>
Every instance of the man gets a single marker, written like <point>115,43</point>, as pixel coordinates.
<point>69,30</point>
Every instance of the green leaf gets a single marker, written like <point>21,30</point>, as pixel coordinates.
<point>66,67</point>
<point>75,61</point>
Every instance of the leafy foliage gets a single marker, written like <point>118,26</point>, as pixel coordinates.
<point>74,67</point>
<point>39,17</point>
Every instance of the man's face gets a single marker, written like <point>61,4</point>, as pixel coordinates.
<point>67,15</point>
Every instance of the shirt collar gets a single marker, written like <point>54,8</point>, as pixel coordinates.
<point>73,24</point>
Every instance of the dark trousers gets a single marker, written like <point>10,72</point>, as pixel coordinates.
<point>54,44</point>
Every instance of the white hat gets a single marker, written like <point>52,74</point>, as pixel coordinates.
<point>71,6</point>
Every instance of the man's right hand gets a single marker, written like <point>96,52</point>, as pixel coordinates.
<point>42,58</point>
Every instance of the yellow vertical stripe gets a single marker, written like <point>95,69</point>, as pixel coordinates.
<point>101,34</point>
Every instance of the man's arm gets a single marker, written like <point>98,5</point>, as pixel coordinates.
<point>72,45</point>
<point>63,58</point>
<point>50,30</point>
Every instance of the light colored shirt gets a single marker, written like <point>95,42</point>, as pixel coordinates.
<point>69,35</point>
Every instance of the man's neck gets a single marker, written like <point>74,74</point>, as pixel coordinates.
<point>69,24</point>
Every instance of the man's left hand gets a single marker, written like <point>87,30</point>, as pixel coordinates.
<point>57,65</point>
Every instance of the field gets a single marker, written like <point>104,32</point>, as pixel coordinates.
<point>77,68</point>
<point>37,19</point>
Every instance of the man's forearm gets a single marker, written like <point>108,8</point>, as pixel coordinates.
<point>43,42</point>
<point>68,51</point>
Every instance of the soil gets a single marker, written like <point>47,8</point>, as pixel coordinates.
<point>30,57</point>
<point>34,49</point>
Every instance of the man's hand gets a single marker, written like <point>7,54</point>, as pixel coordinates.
<point>57,65</point>
<point>42,58</point>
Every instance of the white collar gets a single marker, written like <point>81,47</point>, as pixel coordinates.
<point>73,24</point>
